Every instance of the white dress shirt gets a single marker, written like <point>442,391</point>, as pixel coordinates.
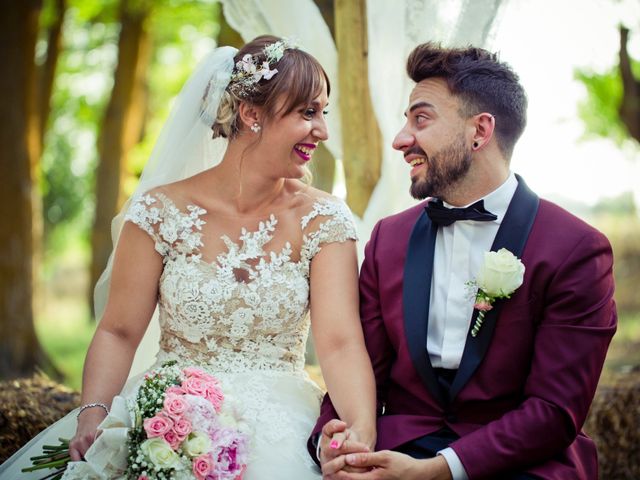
<point>457,259</point>
<point>459,253</point>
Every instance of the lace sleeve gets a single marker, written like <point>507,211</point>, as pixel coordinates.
<point>330,221</point>
<point>173,231</point>
<point>145,211</point>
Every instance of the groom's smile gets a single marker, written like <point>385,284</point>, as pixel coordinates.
<point>417,158</point>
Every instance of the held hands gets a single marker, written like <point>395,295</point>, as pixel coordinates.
<point>344,457</point>
<point>389,465</point>
<point>86,433</point>
<point>336,441</point>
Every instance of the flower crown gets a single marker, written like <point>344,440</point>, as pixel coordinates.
<point>250,69</point>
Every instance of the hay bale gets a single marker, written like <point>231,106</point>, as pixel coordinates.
<point>614,425</point>
<point>28,406</point>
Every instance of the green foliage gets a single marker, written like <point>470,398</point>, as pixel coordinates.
<point>48,14</point>
<point>182,31</point>
<point>96,11</point>
<point>65,335</point>
<point>599,111</point>
<point>78,100</point>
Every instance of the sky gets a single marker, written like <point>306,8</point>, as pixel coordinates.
<point>544,41</point>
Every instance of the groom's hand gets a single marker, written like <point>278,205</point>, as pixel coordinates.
<point>389,465</point>
<point>336,441</point>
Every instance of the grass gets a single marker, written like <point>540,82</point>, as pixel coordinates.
<point>65,336</point>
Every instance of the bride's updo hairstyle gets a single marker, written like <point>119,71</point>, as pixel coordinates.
<point>299,79</point>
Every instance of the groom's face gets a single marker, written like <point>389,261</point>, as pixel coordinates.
<point>434,140</point>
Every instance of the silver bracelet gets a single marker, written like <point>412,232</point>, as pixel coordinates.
<point>91,405</point>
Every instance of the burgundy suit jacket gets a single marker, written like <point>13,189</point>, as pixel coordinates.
<point>525,383</point>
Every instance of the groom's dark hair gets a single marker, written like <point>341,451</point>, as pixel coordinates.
<point>481,81</point>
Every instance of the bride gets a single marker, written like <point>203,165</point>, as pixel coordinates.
<point>234,249</point>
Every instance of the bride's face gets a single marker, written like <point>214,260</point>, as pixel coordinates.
<point>289,141</point>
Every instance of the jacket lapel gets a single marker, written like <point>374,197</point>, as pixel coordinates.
<point>416,292</point>
<point>512,235</point>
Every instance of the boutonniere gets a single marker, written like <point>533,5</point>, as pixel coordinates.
<point>500,275</point>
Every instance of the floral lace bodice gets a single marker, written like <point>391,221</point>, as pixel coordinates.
<point>244,306</point>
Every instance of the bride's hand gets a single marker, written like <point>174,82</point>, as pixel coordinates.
<point>86,432</point>
<point>336,442</point>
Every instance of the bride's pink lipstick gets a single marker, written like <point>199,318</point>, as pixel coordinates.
<point>304,150</point>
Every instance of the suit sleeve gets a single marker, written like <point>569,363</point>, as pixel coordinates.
<point>376,338</point>
<point>578,321</point>
<point>375,335</point>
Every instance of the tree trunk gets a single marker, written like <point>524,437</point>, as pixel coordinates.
<point>20,352</point>
<point>46,72</point>
<point>326,8</point>
<point>362,145</point>
<point>324,165</point>
<point>121,127</point>
<point>630,106</point>
<point>323,168</point>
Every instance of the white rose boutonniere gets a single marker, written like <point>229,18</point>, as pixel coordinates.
<point>500,275</point>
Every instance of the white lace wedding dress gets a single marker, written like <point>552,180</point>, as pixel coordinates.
<point>239,309</point>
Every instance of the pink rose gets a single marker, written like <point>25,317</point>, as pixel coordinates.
<point>195,386</point>
<point>182,427</point>
<point>143,477</point>
<point>214,395</point>
<point>157,426</point>
<point>193,372</point>
<point>483,306</point>
<point>202,466</point>
<point>198,373</point>
<point>175,390</point>
<point>173,439</point>
<point>175,405</point>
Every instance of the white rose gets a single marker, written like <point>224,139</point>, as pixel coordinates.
<point>196,444</point>
<point>501,274</point>
<point>160,453</point>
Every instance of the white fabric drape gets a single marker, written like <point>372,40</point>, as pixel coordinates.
<point>395,28</point>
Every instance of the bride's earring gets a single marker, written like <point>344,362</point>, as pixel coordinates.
<point>255,128</point>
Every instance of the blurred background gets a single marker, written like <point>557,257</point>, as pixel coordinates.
<point>87,84</point>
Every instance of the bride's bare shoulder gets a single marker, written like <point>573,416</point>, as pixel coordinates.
<point>308,195</point>
<point>181,192</point>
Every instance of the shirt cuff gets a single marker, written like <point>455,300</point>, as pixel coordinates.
<point>455,465</point>
<point>317,442</point>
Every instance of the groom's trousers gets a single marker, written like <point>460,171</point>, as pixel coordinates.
<point>429,445</point>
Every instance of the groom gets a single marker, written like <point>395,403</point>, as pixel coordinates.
<point>508,402</point>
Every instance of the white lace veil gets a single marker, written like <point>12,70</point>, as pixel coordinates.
<point>184,148</point>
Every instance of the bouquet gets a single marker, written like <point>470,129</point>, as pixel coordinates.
<point>181,428</point>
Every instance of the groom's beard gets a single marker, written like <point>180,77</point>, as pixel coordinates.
<point>443,170</point>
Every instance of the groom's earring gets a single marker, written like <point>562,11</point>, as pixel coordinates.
<point>255,128</point>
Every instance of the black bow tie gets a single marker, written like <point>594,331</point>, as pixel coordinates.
<point>441,215</point>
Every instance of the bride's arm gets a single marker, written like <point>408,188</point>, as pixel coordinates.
<point>338,338</point>
<point>132,300</point>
